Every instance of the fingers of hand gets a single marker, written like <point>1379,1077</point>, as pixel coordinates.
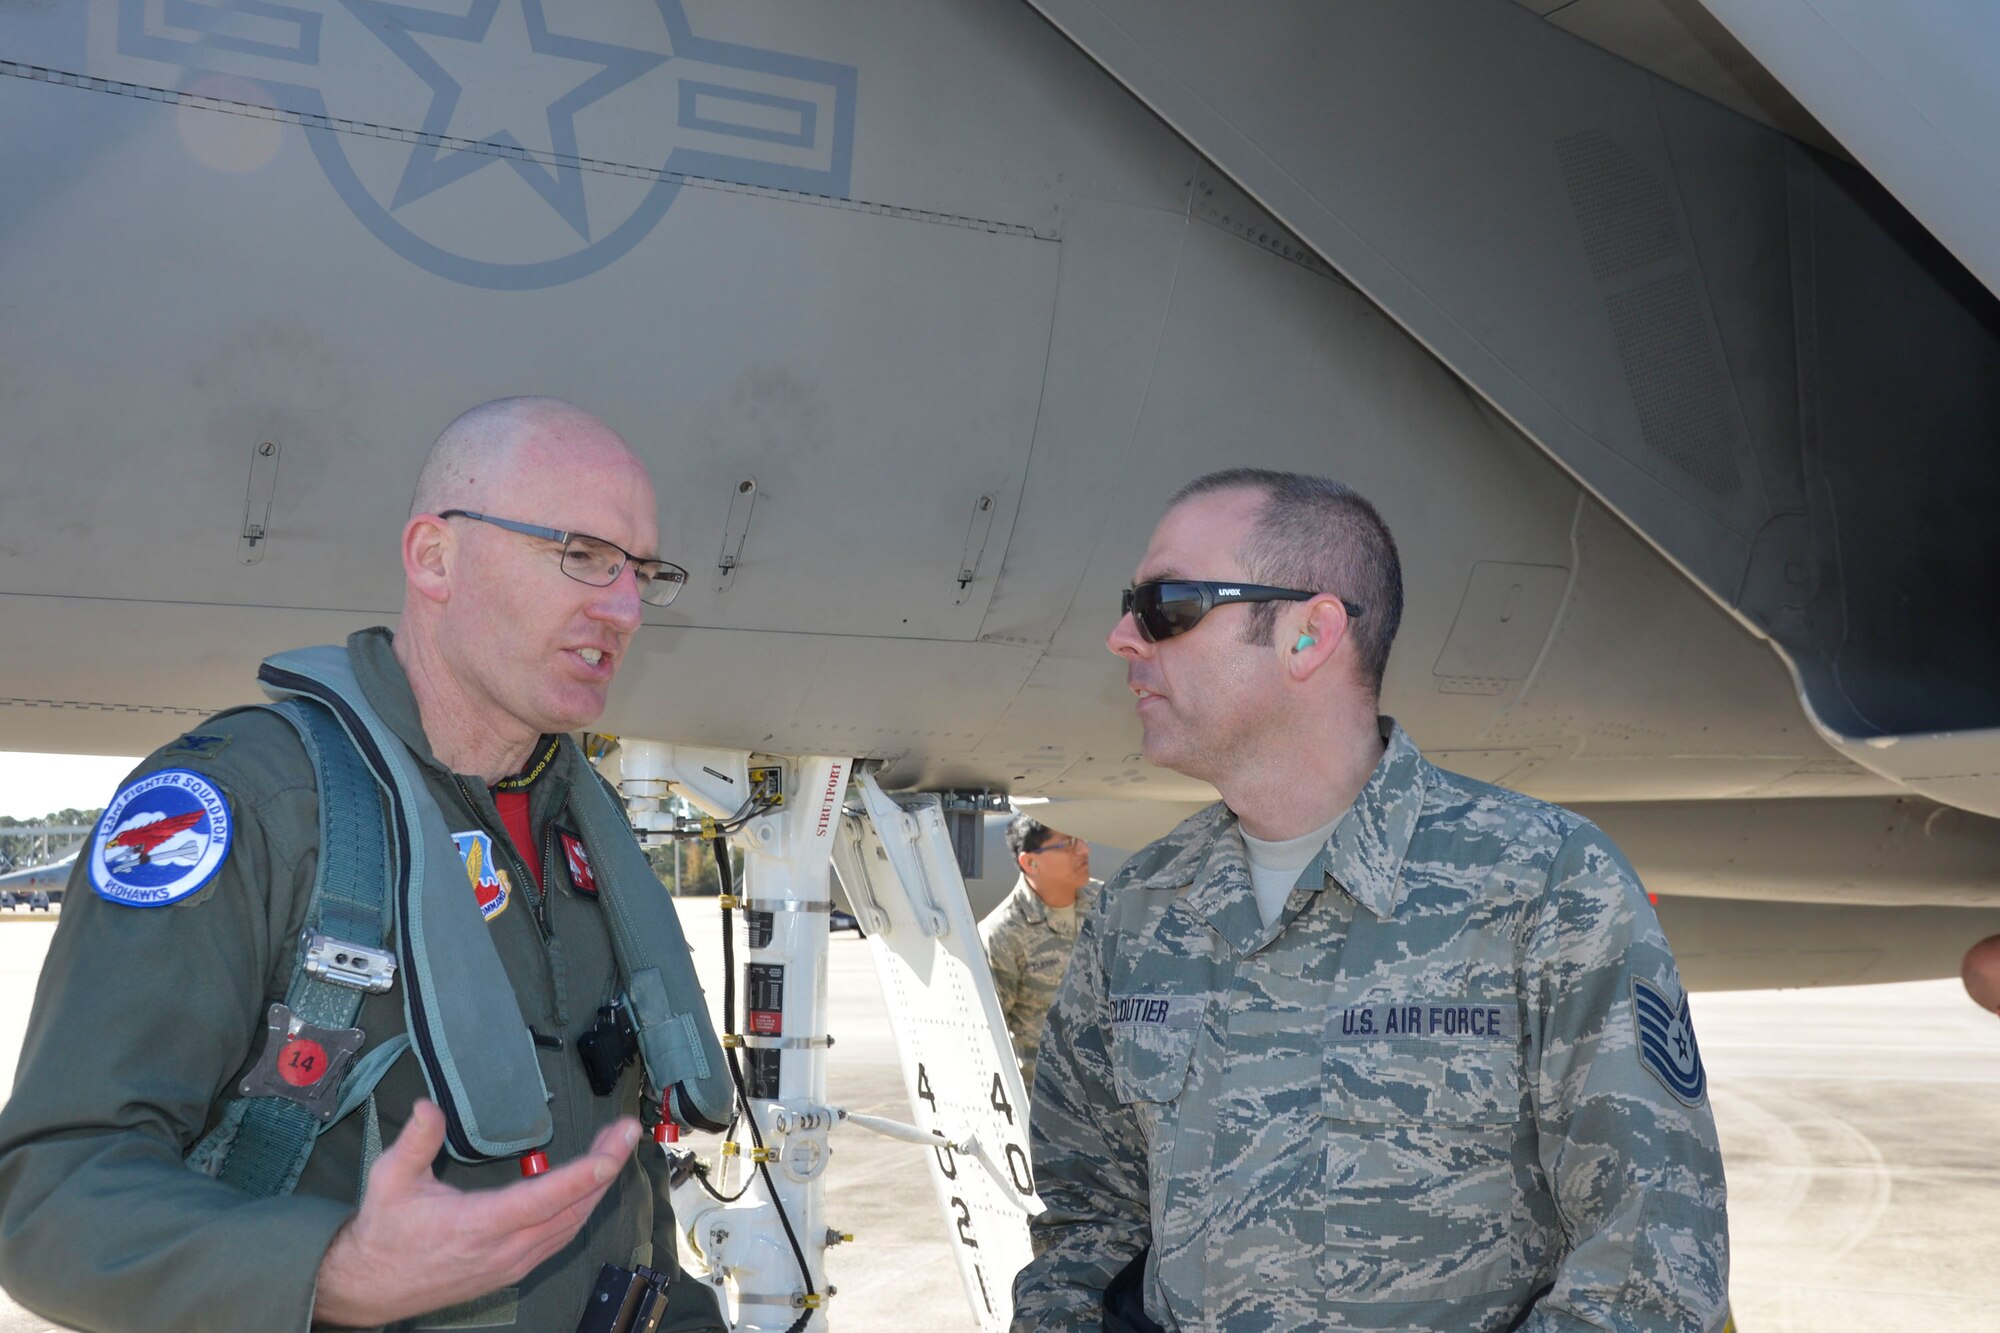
<point>617,1139</point>
<point>421,1138</point>
<point>405,1165</point>
<point>530,1215</point>
<point>563,1196</point>
<point>537,1242</point>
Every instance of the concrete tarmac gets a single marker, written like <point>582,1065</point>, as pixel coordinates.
<point>1859,1126</point>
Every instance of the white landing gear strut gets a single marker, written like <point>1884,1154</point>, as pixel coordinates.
<point>765,1248</point>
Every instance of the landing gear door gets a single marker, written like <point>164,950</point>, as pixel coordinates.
<point>902,880</point>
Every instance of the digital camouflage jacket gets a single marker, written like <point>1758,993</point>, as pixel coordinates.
<point>1453,1087</point>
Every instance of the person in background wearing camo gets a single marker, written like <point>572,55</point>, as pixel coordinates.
<point>1367,1044</point>
<point>1029,936</point>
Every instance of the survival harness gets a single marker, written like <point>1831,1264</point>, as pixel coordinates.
<point>388,870</point>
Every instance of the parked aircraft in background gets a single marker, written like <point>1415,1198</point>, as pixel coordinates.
<point>23,885</point>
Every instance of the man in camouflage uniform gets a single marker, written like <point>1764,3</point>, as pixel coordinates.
<point>1367,1044</point>
<point>1029,936</point>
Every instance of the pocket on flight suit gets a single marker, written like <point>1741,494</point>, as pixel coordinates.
<point>1151,1053</point>
<point>1152,1042</point>
<point>1422,1198</point>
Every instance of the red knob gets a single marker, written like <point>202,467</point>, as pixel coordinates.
<point>534,1163</point>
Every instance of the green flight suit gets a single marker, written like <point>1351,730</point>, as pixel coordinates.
<point>146,1020</point>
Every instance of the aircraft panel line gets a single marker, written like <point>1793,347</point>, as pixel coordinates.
<point>385,616</point>
<point>87,705</point>
<point>366,129</point>
<point>1145,394</point>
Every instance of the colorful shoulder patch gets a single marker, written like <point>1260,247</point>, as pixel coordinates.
<point>578,858</point>
<point>489,881</point>
<point>162,838</point>
<point>1666,1041</point>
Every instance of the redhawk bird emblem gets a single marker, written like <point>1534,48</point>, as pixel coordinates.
<point>145,839</point>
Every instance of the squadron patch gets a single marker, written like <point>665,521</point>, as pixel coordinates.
<point>489,882</point>
<point>1666,1041</point>
<point>160,840</point>
<point>578,857</point>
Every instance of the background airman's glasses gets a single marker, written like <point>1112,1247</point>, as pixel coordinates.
<point>593,560</point>
<point>1163,608</point>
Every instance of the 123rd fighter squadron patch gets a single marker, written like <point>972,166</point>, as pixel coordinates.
<point>1666,1041</point>
<point>161,839</point>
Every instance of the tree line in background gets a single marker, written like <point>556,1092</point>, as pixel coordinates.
<point>21,850</point>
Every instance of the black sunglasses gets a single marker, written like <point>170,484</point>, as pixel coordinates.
<point>1166,607</point>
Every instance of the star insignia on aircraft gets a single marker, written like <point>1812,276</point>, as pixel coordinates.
<point>424,40</point>
<point>602,111</point>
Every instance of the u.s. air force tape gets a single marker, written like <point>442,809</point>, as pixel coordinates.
<point>1475,1019</point>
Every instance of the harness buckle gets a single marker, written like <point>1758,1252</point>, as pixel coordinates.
<point>344,964</point>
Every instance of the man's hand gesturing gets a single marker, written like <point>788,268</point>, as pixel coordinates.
<point>418,1244</point>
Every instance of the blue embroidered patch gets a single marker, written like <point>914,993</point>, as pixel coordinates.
<point>1666,1041</point>
<point>163,837</point>
<point>489,881</point>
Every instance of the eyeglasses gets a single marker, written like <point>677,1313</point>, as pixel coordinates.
<point>1163,608</point>
<point>1066,845</point>
<point>593,560</point>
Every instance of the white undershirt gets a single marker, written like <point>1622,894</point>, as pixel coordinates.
<point>1062,918</point>
<point>1275,866</point>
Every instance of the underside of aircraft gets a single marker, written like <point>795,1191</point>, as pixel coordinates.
<point>1678,384</point>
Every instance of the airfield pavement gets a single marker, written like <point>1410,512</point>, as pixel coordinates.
<point>1861,1128</point>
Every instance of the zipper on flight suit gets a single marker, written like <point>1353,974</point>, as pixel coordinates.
<point>548,869</point>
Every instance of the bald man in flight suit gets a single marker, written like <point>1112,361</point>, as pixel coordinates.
<point>156,986</point>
